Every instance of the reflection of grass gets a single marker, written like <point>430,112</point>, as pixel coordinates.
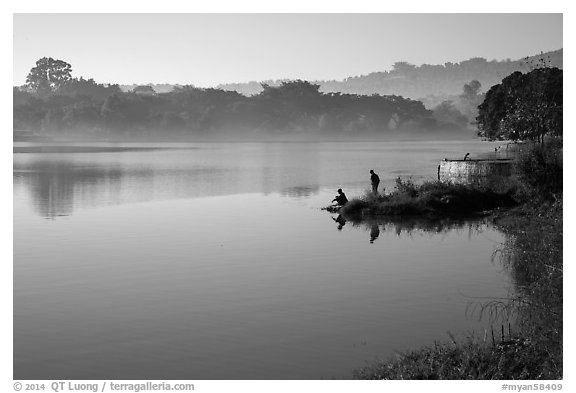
<point>430,199</point>
<point>408,225</point>
<point>533,254</point>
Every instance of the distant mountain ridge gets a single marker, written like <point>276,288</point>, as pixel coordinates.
<point>416,82</point>
<point>408,80</point>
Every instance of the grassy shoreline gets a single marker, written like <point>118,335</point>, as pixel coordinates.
<point>431,200</point>
<point>532,253</point>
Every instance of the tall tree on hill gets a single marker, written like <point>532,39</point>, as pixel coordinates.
<point>48,75</point>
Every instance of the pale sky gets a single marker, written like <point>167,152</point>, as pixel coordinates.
<point>208,49</point>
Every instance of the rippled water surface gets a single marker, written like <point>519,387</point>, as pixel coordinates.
<point>214,261</point>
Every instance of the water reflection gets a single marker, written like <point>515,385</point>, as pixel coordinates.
<point>57,184</point>
<point>255,303</point>
<point>300,191</point>
<point>409,225</point>
<point>340,220</point>
<point>56,187</point>
<point>374,232</point>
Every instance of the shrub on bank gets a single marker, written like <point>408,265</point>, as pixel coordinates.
<point>429,199</point>
<point>540,168</point>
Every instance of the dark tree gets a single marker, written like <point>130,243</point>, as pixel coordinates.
<point>523,107</point>
<point>49,75</point>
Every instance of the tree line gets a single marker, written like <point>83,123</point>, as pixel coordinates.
<point>53,102</point>
<point>524,106</point>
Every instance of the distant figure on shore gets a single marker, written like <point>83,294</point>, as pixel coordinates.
<point>375,179</point>
<point>340,220</point>
<point>340,198</point>
<point>466,156</point>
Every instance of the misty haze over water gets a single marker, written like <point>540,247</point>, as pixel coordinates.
<point>214,261</point>
<point>171,174</point>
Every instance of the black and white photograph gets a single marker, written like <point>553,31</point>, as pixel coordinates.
<point>287,196</point>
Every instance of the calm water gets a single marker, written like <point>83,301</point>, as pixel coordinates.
<point>216,262</point>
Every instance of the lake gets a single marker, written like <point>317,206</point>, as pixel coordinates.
<point>215,261</point>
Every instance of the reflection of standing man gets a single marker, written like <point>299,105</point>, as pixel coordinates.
<point>375,181</point>
<point>374,232</point>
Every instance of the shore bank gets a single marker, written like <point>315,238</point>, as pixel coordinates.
<point>430,200</point>
<point>532,347</point>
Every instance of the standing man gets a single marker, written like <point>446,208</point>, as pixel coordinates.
<point>375,181</point>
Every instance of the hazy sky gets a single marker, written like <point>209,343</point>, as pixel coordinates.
<point>207,49</point>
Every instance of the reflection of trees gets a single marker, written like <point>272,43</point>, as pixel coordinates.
<point>54,185</point>
<point>60,183</point>
<point>53,196</point>
<point>300,191</point>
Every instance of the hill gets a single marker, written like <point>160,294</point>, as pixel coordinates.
<point>405,79</point>
<point>416,82</point>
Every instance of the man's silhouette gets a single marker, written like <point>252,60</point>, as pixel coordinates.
<point>375,179</point>
<point>340,198</point>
